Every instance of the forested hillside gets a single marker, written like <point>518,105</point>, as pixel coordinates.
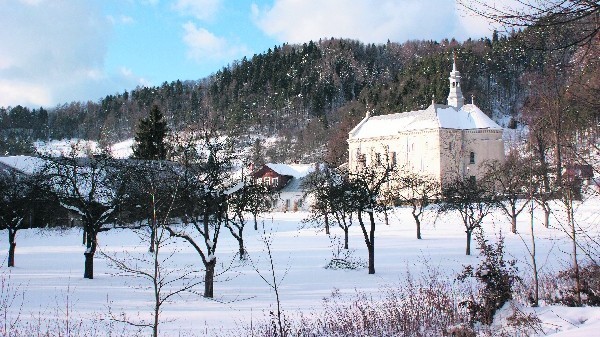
<point>309,95</point>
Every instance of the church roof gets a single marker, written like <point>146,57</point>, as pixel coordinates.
<point>436,116</point>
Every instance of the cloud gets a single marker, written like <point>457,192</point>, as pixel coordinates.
<point>203,45</point>
<point>375,21</point>
<point>121,19</point>
<point>53,51</point>
<point>204,10</point>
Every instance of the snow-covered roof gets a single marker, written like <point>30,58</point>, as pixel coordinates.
<point>25,164</point>
<point>435,116</point>
<point>294,170</point>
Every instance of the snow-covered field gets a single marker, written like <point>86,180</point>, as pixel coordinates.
<point>49,270</point>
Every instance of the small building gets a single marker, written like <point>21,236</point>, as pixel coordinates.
<point>444,141</point>
<point>286,180</point>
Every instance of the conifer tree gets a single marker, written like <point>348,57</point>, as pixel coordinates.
<point>150,137</point>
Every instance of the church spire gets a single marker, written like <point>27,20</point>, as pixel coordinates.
<point>455,97</point>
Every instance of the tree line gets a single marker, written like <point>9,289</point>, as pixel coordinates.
<point>308,94</point>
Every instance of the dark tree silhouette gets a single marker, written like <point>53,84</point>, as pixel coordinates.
<point>150,138</point>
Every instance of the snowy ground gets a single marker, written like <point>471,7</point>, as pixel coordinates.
<point>49,269</point>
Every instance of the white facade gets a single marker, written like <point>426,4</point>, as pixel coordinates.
<point>442,141</point>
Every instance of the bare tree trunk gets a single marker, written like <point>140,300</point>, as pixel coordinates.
<point>241,247</point>
<point>255,223</point>
<point>88,271</point>
<point>513,219</point>
<point>468,250</point>
<point>152,237</point>
<point>326,224</point>
<point>546,208</point>
<point>371,246</point>
<point>574,240</point>
<point>209,277</point>
<point>89,265</point>
<point>536,294</point>
<point>418,222</point>
<point>385,216</point>
<point>345,237</point>
<point>368,239</point>
<point>11,247</point>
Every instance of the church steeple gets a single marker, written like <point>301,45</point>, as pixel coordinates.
<point>455,97</point>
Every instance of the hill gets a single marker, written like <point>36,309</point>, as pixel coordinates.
<point>308,95</point>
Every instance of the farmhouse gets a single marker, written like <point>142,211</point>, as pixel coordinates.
<point>286,180</point>
<point>442,141</point>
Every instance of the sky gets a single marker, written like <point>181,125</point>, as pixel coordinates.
<point>58,51</point>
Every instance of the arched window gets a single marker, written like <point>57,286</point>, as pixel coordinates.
<point>472,158</point>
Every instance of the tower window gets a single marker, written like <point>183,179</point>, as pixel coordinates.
<point>472,158</point>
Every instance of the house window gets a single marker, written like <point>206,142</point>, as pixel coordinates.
<point>275,181</point>
<point>258,180</point>
<point>393,158</point>
<point>472,158</point>
<point>472,180</point>
<point>377,158</point>
<point>267,181</point>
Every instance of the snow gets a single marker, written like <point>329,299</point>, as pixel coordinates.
<point>295,170</point>
<point>122,149</point>
<point>25,164</point>
<point>75,147</point>
<point>49,270</point>
<point>435,116</point>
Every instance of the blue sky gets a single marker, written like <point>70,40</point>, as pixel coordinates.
<point>58,51</point>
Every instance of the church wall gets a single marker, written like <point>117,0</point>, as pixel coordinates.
<point>417,151</point>
<point>456,159</point>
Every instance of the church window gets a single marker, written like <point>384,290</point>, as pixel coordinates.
<point>472,158</point>
<point>472,180</point>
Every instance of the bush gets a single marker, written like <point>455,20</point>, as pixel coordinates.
<point>561,289</point>
<point>496,276</point>
<point>427,307</point>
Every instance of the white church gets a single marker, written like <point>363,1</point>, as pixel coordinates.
<point>441,141</point>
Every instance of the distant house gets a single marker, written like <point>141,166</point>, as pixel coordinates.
<point>286,180</point>
<point>444,141</point>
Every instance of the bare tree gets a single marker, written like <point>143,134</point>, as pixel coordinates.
<point>244,198</point>
<point>331,190</point>
<point>205,163</point>
<point>23,198</point>
<point>89,187</point>
<point>419,192</point>
<point>472,200</point>
<point>367,185</point>
<point>148,190</point>
<point>157,269</point>
<point>511,181</point>
<point>580,17</point>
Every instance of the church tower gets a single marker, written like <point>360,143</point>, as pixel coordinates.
<point>455,97</point>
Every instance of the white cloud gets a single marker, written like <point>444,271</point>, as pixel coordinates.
<point>53,52</point>
<point>121,19</point>
<point>204,10</point>
<point>203,45</point>
<point>366,20</point>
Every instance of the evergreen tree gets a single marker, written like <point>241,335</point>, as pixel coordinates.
<point>150,137</point>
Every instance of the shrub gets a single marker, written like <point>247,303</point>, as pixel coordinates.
<point>561,289</point>
<point>496,276</point>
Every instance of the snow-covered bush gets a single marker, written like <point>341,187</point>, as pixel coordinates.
<point>560,289</point>
<point>420,308</point>
<point>496,276</point>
